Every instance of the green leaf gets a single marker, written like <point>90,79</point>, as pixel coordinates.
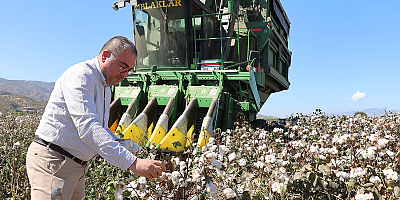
<point>313,179</point>
<point>246,195</point>
<point>368,185</point>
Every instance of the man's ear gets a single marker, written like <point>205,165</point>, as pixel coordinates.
<point>104,55</point>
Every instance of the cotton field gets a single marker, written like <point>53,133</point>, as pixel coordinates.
<point>314,156</point>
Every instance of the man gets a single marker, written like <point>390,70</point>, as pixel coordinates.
<point>74,129</point>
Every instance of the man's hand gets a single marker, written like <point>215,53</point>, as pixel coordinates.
<point>147,168</point>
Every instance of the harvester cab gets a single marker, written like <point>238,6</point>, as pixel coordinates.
<point>200,63</point>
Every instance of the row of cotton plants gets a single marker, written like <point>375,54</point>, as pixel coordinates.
<point>316,157</point>
<point>16,134</point>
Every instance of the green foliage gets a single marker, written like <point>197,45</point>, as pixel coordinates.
<point>361,113</point>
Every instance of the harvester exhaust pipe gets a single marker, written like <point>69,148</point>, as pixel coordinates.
<point>137,131</point>
<point>179,136</point>
<point>126,118</point>
<point>162,124</point>
<point>207,125</point>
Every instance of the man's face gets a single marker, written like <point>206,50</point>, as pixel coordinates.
<point>116,67</point>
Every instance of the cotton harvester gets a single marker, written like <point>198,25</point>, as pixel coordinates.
<point>200,64</point>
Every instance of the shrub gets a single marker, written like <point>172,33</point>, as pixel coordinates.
<point>361,113</point>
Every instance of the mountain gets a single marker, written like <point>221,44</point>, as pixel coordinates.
<point>11,102</point>
<point>260,116</point>
<point>33,89</point>
<point>369,112</point>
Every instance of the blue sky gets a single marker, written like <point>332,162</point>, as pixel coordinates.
<point>340,48</point>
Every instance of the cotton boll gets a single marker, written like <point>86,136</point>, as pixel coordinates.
<point>382,142</point>
<point>211,189</point>
<point>269,159</point>
<point>232,156</point>
<point>204,149</point>
<point>262,147</point>
<point>374,179</point>
<point>333,184</point>
<point>365,196</point>
<point>182,165</point>
<point>390,153</point>
<point>196,175</point>
<point>176,161</point>
<point>263,135</point>
<point>357,172</point>
<point>259,164</point>
<point>333,150</point>
<point>175,177</point>
<point>213,147</point>
<point>194,152</point>
<point>242,162</point>
<point>118,194</point>
<point>390,174</point>
<point>342,175</point>
<point>133,185</point>
<point>217,164</point>
<point>297,155</point>
<point>211,140</point>
<point>229,193</point>
<point>369,196</point>
<point>210,156</point>
<point>120,189</point>
<point>276,187</point>
<point>142,180</point>
<point>373,138</point>
<point>223,149</point>
<point>196,160</point>
<point>314,149</point>
<point>134,194</point>
<point>17,144</point>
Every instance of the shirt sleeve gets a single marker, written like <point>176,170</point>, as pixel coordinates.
<point>80,97</point>
<point>112,134</point>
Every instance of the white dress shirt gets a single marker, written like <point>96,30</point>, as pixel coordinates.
<point>76,116</point>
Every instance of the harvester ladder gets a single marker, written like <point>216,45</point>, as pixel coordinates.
<point>221,38</point>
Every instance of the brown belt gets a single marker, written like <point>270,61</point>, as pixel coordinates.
<point>59,149</point>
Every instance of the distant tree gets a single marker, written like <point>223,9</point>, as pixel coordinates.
<point>360,113</point>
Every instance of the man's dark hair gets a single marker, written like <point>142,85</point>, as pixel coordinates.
<point>117,44</point>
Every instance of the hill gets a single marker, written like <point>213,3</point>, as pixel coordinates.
<point>260,116</point>
<point>11,102</point>
<point>370,112</point>
<point>33,89</point>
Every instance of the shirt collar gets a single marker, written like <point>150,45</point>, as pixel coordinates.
<point>102,78</point>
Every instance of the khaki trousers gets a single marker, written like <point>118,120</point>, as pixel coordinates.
<point>49,171</point>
